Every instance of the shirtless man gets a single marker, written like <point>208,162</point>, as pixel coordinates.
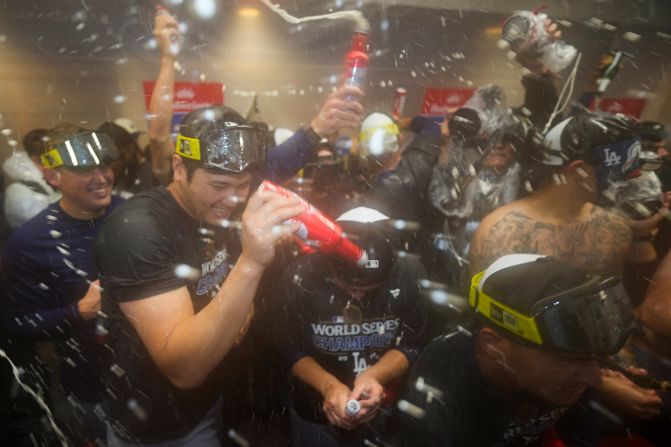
<point>586,153</point>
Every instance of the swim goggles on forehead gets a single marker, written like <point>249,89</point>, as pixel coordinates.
<point>594,318</point>
<point>84,150</point>
<point>230,149</point>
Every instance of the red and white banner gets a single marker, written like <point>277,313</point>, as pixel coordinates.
<point>626,106</point>
<point>189,96</point>
<point>441,101</point>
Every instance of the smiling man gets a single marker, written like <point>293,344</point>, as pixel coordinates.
<point>178,286</point>
<point>50,289</point>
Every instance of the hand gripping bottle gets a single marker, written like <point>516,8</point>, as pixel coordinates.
<point>316,230</point>
<point>525,33</point>
<point>356,60</point>
<point>352,407</point>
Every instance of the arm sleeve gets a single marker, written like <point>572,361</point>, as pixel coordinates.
<point>136,257</point>
<point>40,324</point>
<point>284,160</point>
<point>425,125</point>
<point>25,312</point>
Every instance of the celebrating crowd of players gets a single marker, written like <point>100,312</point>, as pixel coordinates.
<point>514,292</point>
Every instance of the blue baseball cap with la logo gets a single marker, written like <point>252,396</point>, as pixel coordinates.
<point>610,143</point>
<point>616,162</point>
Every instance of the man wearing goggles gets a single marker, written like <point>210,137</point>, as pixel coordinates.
<point>539,324</point>
<point>581,157</point>
<point>50,280</point>
<point>179,273</point>
<point>584,155</point>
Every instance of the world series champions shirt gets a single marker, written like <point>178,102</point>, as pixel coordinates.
<point>346,336</point>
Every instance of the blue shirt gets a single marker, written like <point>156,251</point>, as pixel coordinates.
<point>46,267</point>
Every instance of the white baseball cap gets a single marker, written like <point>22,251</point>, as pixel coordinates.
<point>128,125</point>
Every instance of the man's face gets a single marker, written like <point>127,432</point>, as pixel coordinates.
<point>501,155</point>
<point>89,190</point>
<point>556,377</point>
<point>212,196</point>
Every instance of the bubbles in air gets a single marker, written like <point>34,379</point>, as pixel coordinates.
<point>410,409</point>
<point>205,9</point>
<point>235,437</point>
<point>185,271</point>
<point>631,37</point>
<point>151,44</point>
<point>137,409</point>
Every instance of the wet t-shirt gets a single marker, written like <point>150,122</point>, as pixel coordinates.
<point>467,410</point>
<point>346,336</point>
<point>148,247</point>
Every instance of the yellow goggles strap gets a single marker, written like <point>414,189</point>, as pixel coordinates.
<point>52,159</point>
<point>502,315</point>
<point>188,147</point>
<point>388,128</point>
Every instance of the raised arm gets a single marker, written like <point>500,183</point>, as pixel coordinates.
<point>166,33</point>
<point>341,110</point>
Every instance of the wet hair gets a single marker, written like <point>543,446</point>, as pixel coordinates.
<point>33,142</point>
<point>129,171</point>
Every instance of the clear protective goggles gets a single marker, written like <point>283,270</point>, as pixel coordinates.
<point>83,151</point>
<point>594,318</point>
<point>231,149</point>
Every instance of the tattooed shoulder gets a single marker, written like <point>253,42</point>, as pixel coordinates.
<point>512,233</point>
<point>597,245</point>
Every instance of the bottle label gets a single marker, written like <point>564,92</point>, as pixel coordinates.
<point>356,76</point>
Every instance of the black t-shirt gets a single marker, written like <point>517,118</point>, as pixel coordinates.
<point>471,412</point>
<point>138,251</point>
<point>346,336</point>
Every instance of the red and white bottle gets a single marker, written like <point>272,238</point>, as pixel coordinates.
<point>318,231</point>
<point>356,60</point>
